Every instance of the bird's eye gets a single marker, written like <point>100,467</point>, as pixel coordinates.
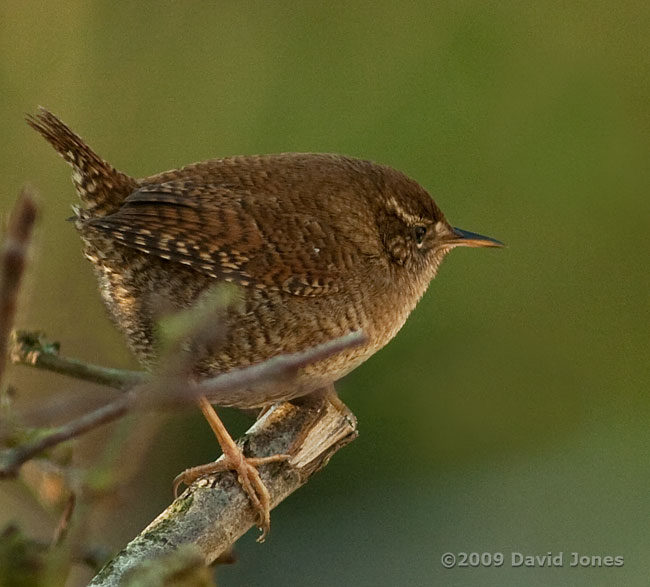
<point>419,232</point>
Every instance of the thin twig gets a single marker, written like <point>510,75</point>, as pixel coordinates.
<point>279,367</point>
<point>255,384</point>
<point>156,393</point>
<point>64,521</point>
<point>12,459</point>
<point>13,258</point>
<point>30,348</point>
<point>214,512</point>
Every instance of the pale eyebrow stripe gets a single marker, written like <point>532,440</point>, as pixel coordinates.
<point>403,214</point>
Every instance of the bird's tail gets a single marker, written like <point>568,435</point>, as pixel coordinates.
<point>101,188</point>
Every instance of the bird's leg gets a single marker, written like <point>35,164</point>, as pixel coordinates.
<point>263,411</point>
<point>234,459</point>
<point>329,393</point>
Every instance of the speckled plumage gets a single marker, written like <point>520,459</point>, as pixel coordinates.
<point>320,244</point>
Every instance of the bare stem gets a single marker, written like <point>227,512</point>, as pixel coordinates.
<point>152,394</point>
<point>12,459</point>
<point>64,521</point>
<point>214,512</point>
<point>255,384</point>
<point>279,367</point>
<point>31,349</point>
<point>13,258</point>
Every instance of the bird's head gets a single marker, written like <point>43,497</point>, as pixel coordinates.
<point>415,232</point>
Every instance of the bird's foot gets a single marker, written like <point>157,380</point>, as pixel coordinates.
<point>248,477</point>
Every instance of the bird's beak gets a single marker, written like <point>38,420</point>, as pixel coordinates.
<point>464,238</point>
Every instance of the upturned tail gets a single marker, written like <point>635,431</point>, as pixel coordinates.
<point>100,186</point>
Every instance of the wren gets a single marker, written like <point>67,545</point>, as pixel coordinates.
<point>320,245</point>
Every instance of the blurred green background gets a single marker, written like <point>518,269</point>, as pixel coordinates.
<point>511,413</point>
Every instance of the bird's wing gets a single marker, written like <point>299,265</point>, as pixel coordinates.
<point>248,238</point>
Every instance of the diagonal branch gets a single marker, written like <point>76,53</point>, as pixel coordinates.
<point>257,381</point>
<point>12,459</point>
<point>214,512</point>
<point>157,392</point>
<point>29,348</point>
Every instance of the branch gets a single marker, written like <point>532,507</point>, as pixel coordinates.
<point>214,512</point>
<point>253,384</point>
<point>12,459</point>
<point>157,391</point>
<point>31,349</point>
<point>13,258</point>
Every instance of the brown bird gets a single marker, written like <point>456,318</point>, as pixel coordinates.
<point>320,245</point>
